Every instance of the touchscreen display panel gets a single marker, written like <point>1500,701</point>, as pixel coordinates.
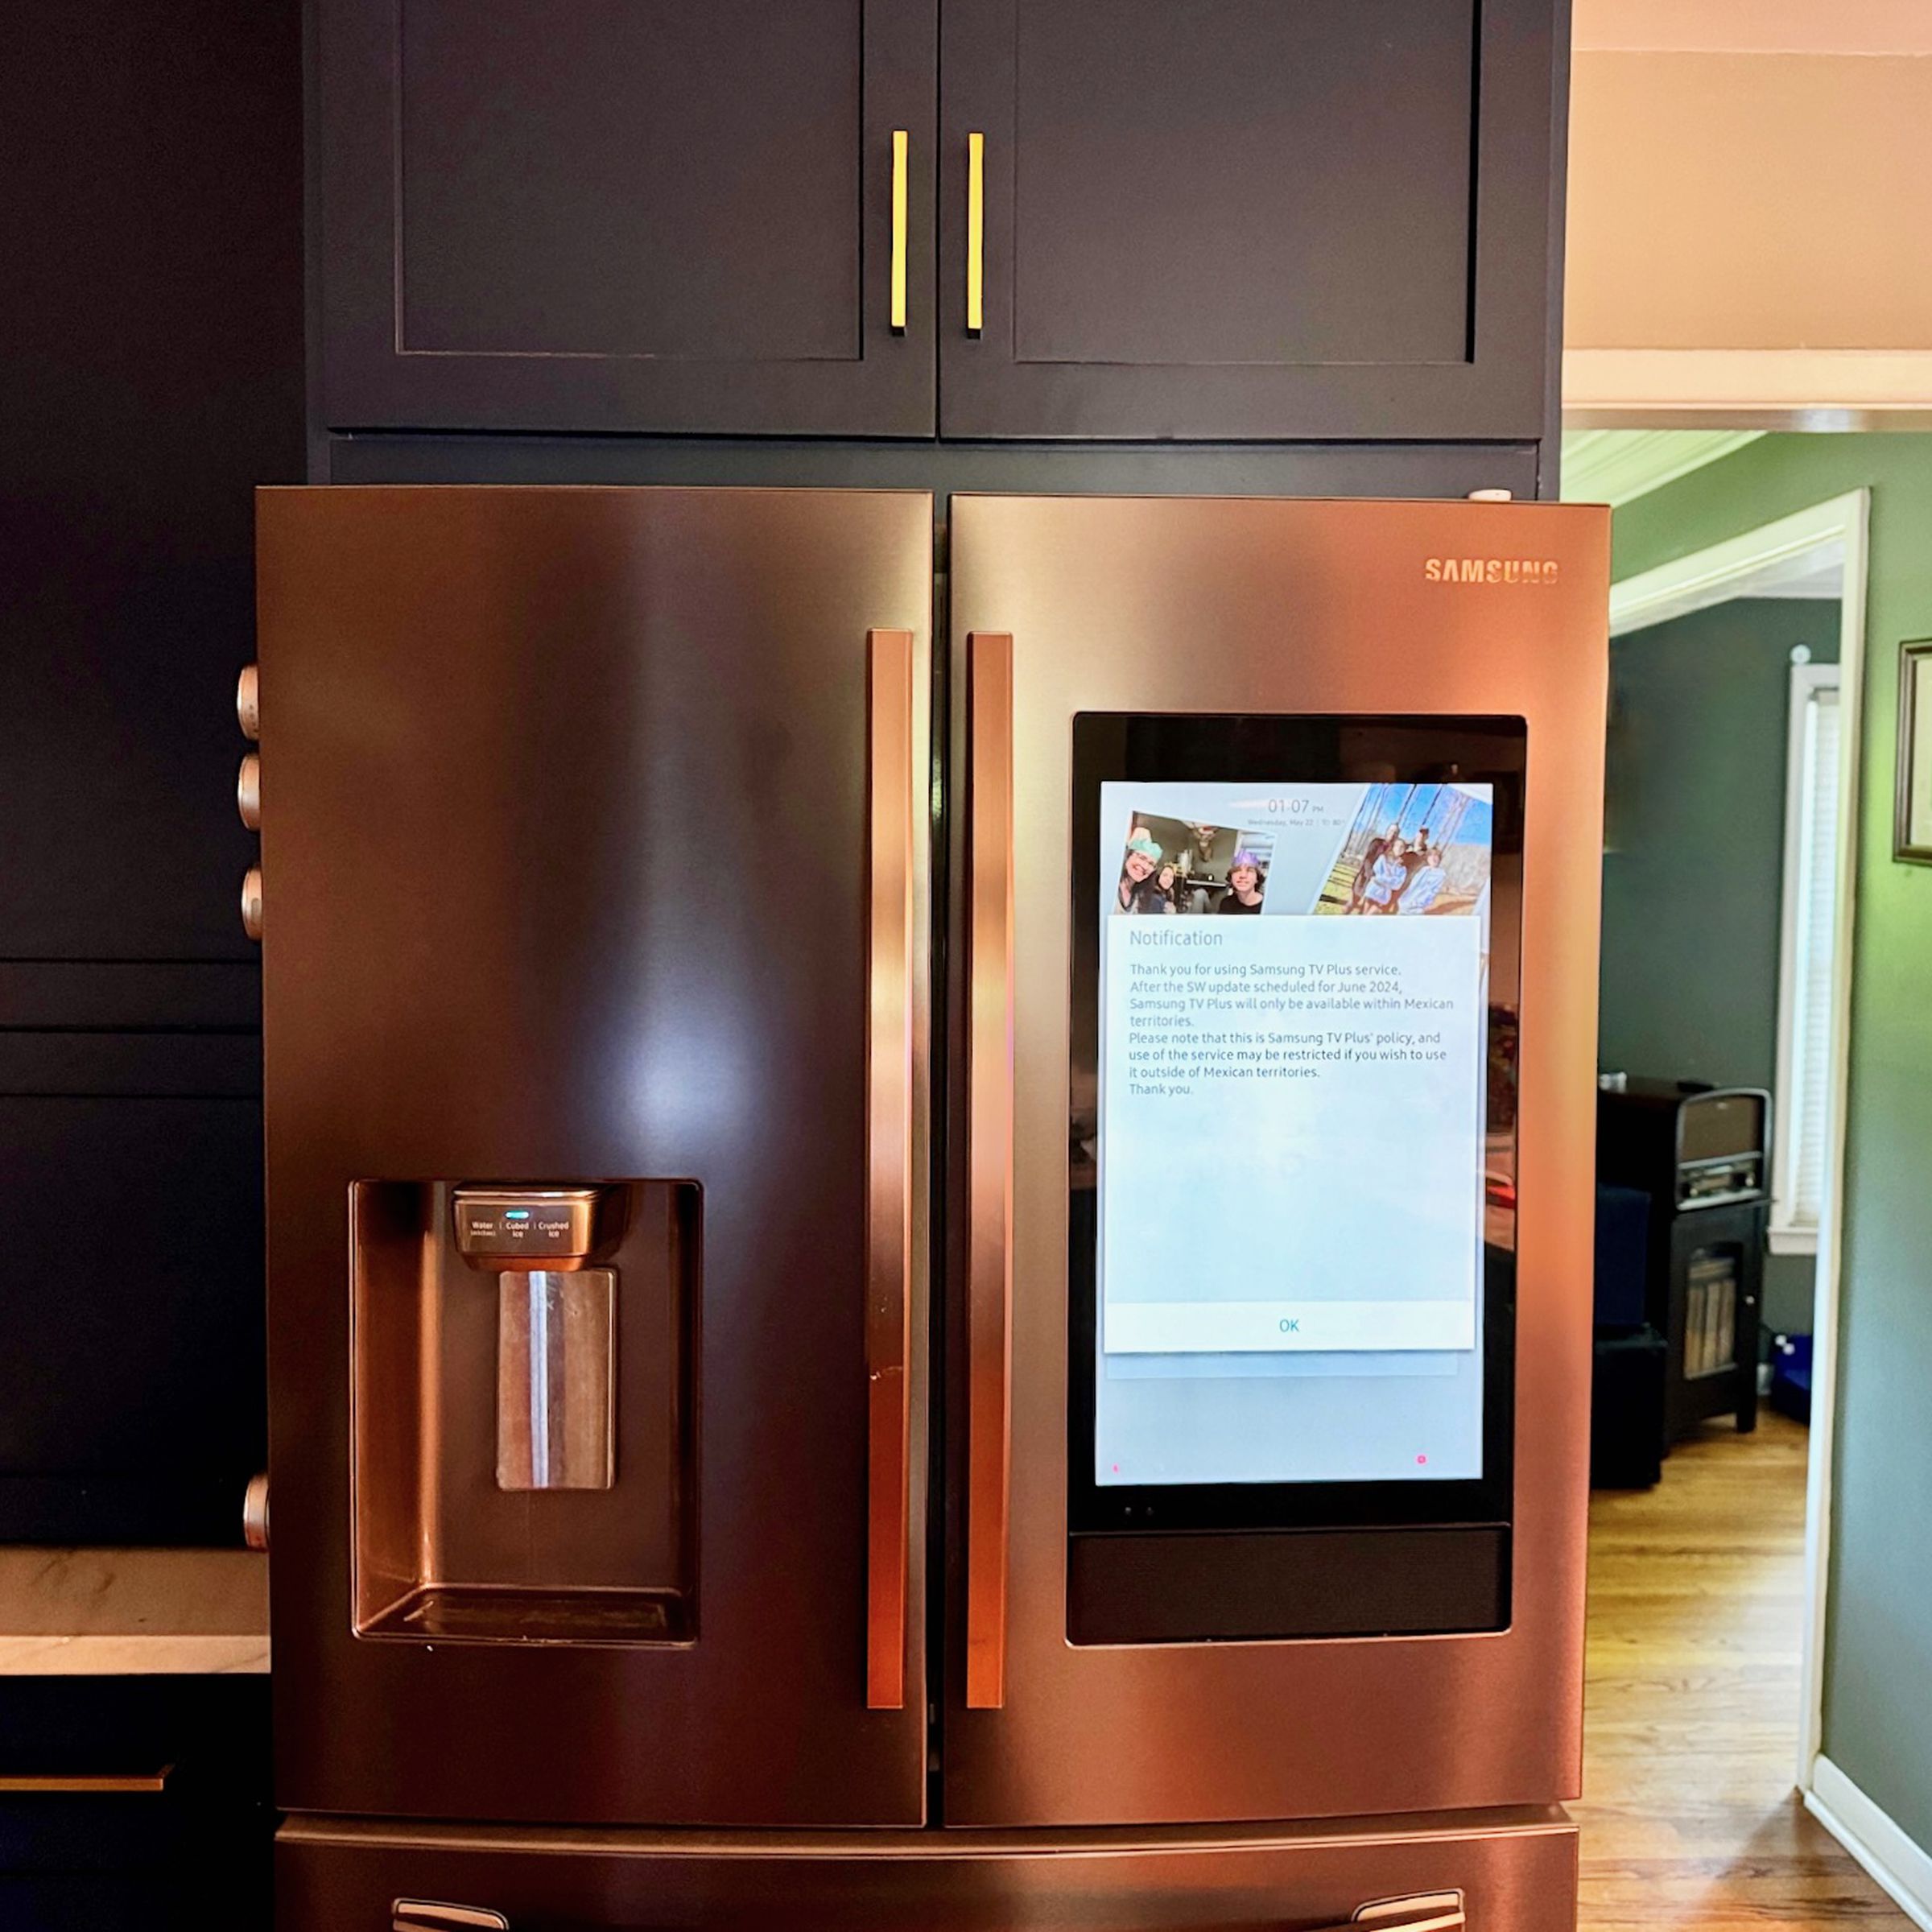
<point>1295,1163</point>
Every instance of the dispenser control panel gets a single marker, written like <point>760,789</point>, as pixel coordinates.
<point>518,1227</point>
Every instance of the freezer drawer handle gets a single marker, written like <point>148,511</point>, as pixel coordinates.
<point>423,1915</point>
<point>990,1156</point>
<point>892,803</point>
<point>1420,1912</point>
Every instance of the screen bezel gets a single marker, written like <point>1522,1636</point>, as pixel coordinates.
<point>1273,750</point>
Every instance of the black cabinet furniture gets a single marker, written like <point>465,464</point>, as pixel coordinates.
<point>116,730</point>
<point>130,1291</point>
<point>624,214</point>
<point>1630,1359</point>
<point>1702,1155</point>
<point>153,342</point>
<point>1237,220</point>
<point>1240,219</point>
<point>133,1804</point>
<point>1715,1274</point>
<point>1629,1373</point>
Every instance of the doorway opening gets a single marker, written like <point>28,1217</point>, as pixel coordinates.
<point>1729,844</point>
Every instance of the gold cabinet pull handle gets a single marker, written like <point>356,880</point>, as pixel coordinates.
<point>901,142</point>
<point>890,1178</point>
<point>975,233</point>
<point>149,1783</point>
<point>989,1162</point>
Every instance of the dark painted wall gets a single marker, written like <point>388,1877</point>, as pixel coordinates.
<point>1694,856</point>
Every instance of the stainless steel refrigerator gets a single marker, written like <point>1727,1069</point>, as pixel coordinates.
<point>847,1349</point>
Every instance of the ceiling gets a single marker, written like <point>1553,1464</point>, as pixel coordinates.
<point>1753,26</point>
<point>1750,187</point>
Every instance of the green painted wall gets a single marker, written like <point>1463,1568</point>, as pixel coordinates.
<point>1878,1665</point>
<point>1694,856</point>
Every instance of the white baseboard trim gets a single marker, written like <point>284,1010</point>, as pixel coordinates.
<point>1902,1867</point>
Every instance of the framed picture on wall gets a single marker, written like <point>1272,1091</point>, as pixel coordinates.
<point>1914,838</point>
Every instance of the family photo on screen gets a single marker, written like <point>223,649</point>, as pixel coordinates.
<point>1413,849</point>
<point>1174,865</point>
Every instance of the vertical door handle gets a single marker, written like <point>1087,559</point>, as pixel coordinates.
<point>989,1162</point>
<point>901,142</point>
<point>975,233</point>
<point>893,802</point>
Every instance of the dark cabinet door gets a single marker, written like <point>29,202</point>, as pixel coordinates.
<point>118,752</point>
<point>131,1803</point>
<point>627,215</point>
<point>130,1291</point>
<point>151,336</point>
<point>1250,218</point>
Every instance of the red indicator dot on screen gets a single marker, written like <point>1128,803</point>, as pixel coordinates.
<point>1422,1459</point>
<point>1117,1468</point>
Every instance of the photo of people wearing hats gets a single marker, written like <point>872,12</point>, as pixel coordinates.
<point>1175,865</point>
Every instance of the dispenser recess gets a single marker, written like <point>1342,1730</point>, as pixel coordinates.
<point>523,1464</point>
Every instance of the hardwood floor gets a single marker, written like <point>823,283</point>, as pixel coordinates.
<point>1690,1733</point>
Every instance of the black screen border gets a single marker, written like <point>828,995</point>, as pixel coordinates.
<point>1263,749</point>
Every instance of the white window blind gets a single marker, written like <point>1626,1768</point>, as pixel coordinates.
<point>1806,994</point>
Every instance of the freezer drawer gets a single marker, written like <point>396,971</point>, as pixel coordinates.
<point>1491,1872</point>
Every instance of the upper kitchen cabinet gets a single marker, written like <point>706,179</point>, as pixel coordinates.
<point>628,215</point>
<point>1220,219</point>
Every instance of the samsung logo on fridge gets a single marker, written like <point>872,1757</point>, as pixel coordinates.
<point>1489,569</point>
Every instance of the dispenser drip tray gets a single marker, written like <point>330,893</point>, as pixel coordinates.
<point>537,1616</point>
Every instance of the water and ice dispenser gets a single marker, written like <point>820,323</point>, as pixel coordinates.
<point>556,1332</point>
<point>524,1465</point>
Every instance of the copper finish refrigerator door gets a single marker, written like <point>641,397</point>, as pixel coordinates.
<point>599,844</point>
<point>1241,606</point>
